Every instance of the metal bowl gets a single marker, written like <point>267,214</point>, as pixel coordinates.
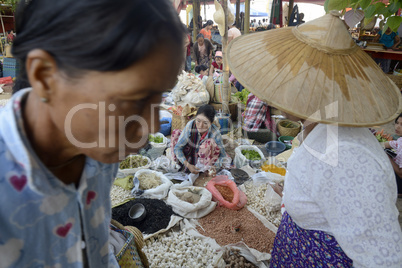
<point>137,212</point>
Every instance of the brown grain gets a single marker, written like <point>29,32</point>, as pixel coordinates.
<point>218,225</point>
<point>226,192</point>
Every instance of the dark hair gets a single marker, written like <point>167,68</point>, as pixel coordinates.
<point>399,116</point>
<point>200,35</point>
<point>208,111</point>
<point>200,68</point>
<point>98,35</point>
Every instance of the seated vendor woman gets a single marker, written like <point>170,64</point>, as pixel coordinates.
<point>200,139</point>
<point>217,64</point>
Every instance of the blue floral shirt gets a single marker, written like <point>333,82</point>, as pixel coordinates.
<point>44,222</point>
<point>213,133</point>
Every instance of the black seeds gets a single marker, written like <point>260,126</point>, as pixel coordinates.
<point>157,218</point>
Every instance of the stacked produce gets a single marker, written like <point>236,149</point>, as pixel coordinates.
<point>228,226</point>
<point>382,137</point>
<point>149,181</point>
<point>233,259</point>
<point>178,249</point>
<point>255,200</point>
<point>188,82</point>
<point>251,154</point>
<point>134,161</point>
<point>242,96</point>
<point>155,139</point>
<point>118,195</point>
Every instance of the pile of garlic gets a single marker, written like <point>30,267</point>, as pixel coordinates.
<point>178,249</point>
<point>186,83</point>
<point>255,200</point>
<point>118,195</point>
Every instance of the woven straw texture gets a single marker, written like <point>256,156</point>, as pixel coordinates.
<point>397,79</point>
<point>179,122</point>
<point>285,130</point>
<point>131,255</point>
<point>315,71</point>
<point>232,109</point>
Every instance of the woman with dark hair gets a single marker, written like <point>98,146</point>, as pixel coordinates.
<point>202,50</point>
<point>206,31</point>
<point>89,105</point>
<point>396,161</point>
<point>199,139</point>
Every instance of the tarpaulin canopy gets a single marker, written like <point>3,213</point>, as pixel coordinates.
<point>254,12</point>
<point>182,4</point>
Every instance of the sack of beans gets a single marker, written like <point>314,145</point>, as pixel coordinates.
<point>225,192</point>
<point>190,201</point>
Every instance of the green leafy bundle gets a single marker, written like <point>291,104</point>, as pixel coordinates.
<point>251,154</point>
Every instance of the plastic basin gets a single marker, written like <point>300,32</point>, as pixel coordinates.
<point>275,147</point>
<point>287,140</point>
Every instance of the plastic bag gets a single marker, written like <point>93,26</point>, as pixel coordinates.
<point>158,192</point>
<point>157,149</point>
<point>165,164</point>
<point>197,97</point>
<point>239,199</point>
<point>191,210</point>
<point>240,160</point>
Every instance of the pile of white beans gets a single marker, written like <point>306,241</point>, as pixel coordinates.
<point>255,200</point>
<point>178,249</point>
<point>118,195</point>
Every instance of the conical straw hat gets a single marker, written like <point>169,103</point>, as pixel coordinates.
<point>315,71</point>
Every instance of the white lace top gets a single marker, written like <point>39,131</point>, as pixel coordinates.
<point>341,182</point>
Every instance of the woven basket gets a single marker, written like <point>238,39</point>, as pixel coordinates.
<point>125,258</point>
<point>179,122</point>
<point>210,88</point>
<point>292,131</point>
<point>397,79</point>
<point>218,96</point>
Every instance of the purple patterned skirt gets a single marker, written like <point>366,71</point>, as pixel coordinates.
<point>297,247</point>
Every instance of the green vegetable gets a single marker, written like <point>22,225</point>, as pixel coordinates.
<point>380,138</point>
<point>135,161</point>
<point>242,96</point>
<point>251,154</point>
<point>155,139</point>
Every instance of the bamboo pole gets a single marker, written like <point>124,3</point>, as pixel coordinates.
<point>291,3</point>
<point>196,14</point>
<point>4,32</point>
<point>246,16</point>
<point>238,23</point>
<point>226,86</point>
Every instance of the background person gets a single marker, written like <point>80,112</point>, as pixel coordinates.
<point>10,36</point>
<point>206,31</point>
<point>339,191</point>
<point>233,32</point>
<point>56,175</point>
<point>198,133</point>
<point>390,40</point>
<point>217,64</point>
<point>396,162</point>
<point>202,50</point>
<point>257,122</point>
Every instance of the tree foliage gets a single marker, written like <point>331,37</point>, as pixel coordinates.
<point>371,9</point>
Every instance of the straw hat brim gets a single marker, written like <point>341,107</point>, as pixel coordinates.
<point>286,73</point>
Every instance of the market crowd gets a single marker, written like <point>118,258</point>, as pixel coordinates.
<point>340,187</point>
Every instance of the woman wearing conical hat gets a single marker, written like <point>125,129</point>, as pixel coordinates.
<point>340,190</point>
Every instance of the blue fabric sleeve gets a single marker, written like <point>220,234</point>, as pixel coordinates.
<point>182,142</point>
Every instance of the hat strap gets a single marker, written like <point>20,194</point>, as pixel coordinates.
<point>305,39</point>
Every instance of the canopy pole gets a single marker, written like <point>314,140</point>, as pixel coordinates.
<point>5,35</point>
<point>291,3</point>
<point>196,14</point>
<point>246,16</point>
<point>226,90</point>
<point>238,23</point>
